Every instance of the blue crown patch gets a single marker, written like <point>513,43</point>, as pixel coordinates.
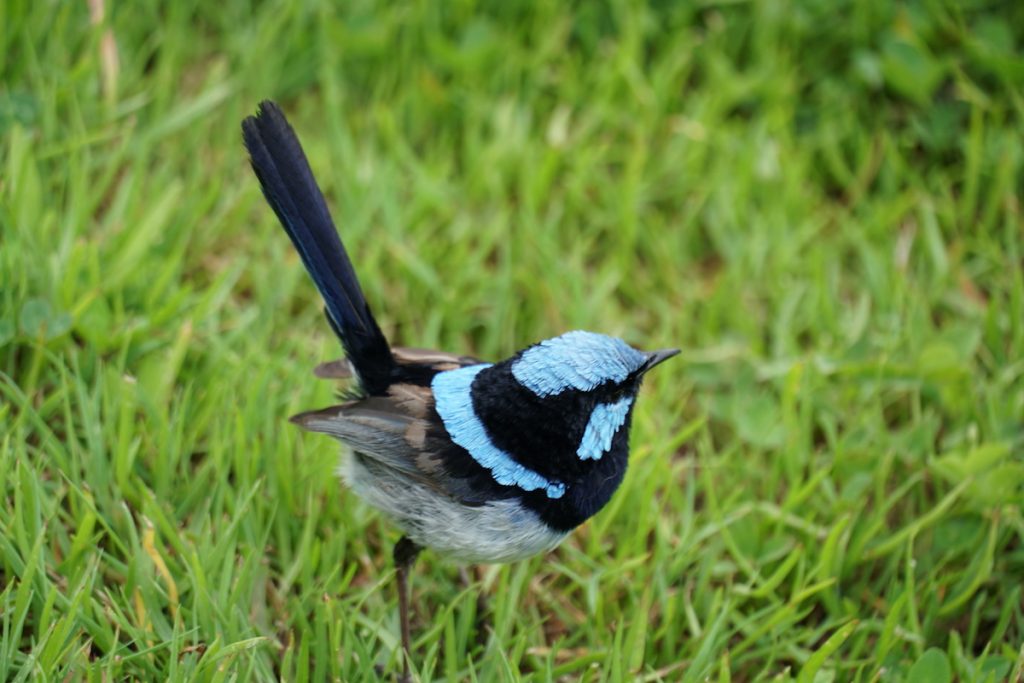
<point>575,360</point>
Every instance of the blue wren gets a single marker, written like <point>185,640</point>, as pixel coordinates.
<point>483,462</point>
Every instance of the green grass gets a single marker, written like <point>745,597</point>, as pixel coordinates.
<point>818,201</point>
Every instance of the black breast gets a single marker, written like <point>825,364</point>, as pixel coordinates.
<point>585,496</point>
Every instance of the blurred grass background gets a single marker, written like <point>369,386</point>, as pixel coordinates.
<point>819,201</point>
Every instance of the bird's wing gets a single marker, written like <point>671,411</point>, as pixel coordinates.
<point>334,369</point>
<point>405,357</point>
<point>438,360</point>
<point>403,432</point>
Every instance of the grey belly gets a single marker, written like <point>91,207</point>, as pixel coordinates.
<point>502,531</point>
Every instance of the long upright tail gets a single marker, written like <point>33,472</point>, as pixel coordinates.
<point>290,188</point>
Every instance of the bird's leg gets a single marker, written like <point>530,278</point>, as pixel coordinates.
<point>468,576</point>
<point>404,554</point>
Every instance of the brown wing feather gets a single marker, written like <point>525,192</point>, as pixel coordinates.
<point>335,369</point>
<point>403,355</point>
<point>440,360</point>
<point>398,431</point>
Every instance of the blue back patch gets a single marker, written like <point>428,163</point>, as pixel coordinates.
<point>605,420</point>
<point>575,360</point>
<point>454,404</point>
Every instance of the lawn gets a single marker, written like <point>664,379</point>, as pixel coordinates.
<point>819,202</point>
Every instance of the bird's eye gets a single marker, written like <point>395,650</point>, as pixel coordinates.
<point>621,390</point>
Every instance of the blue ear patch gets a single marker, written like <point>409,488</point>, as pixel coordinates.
<point>454,404</point>
<point>575,360</point>
<point>605,420</point>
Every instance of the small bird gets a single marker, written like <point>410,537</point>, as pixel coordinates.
<point>481,462</point>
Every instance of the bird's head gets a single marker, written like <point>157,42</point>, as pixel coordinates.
<point>552,420</point>
<point>588,362</point>
<point>602,374</point>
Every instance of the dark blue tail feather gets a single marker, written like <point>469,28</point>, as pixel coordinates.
<point>290,188</point>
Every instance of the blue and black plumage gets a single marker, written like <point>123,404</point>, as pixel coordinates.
<point>481,462</point>
<point>291,190</point>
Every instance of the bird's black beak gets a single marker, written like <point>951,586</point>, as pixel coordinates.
<point>658,357</point>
